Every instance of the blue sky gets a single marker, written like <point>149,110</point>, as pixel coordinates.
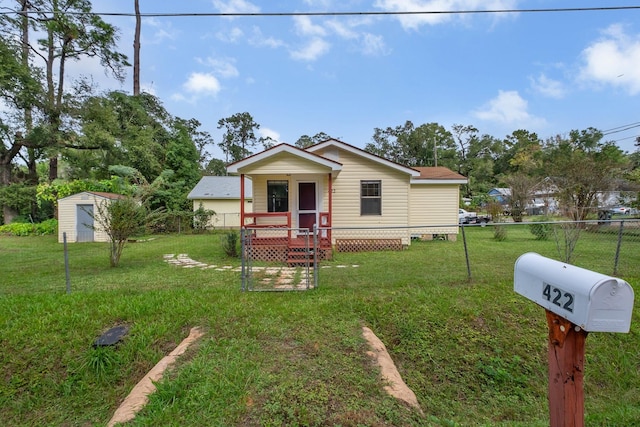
<point>544,72</point>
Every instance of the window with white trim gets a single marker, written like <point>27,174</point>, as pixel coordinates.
<point>370,197</point>
<point>277,196</point>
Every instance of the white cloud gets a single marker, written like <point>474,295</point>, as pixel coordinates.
<point>374,45</point>
<point>341,29</point>
<point>413,22</point>
<point>613,60</point>
<point>367,43</point>
<point>305,27</point>
<point>235,6</point>
<point>148,88</point>
<point>508,108</point>
<point>223,67</point>
<point>232,36</point>
<point>312,51</point>
<point>202,84</point>
<point>548,87</point>
<point>259,40</point>
<point>324,4</point>
<point>269,133</point>
<point>162,31</point>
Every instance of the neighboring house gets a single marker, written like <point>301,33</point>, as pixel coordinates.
<point>77,213</point>
<point>500,195</point>
<point>356,199</point>
<point>221,194</point>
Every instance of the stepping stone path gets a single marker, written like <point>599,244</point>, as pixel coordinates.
<point>183,260</point>
<point>276,278</point>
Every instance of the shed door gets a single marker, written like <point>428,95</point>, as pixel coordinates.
<point>307,211</point>
<point>84,217</point>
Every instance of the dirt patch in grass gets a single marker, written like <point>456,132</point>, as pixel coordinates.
<point>395,386</point>
<point>138,397</point>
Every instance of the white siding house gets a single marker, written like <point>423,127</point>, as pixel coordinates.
<point>349,192</point>
<point>221,194</point>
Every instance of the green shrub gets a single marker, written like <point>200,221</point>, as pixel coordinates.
<point>230,241</point>
<point>542,231</point>
<point>500,233</point>
<point>201,218</point>
<point>49,226</point>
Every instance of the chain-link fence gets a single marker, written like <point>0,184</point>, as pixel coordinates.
<point>280,259</point>
<point>482,250</point>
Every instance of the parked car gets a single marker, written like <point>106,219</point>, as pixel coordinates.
<point>465,217</point>
<point>624,210</point>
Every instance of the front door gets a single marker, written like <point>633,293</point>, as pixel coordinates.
<point>307,206</point>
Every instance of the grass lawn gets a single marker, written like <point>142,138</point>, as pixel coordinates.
<point>473,351</point>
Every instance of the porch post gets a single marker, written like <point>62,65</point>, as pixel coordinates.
<point>330,185</point>
<point>241,200</point>
<point>330,198</point>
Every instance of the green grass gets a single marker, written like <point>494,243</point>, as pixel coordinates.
<point>473,351</point>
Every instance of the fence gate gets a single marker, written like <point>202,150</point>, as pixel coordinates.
<point>279,259</point>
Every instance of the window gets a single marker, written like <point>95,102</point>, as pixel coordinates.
<point>277,196</point>
<point>370,197</point>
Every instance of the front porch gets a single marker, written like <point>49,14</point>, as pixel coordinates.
<point>271,237</point>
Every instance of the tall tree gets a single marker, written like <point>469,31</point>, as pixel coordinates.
<point>71,32</point>
<point>19,89</point>
<point>239,136</point>
<point>307,141</point>
<point>413,146</point>
<point>581,167</point>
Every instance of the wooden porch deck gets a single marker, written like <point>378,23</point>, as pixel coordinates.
<point>295,251</point>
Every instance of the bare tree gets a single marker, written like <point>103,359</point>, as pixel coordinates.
<point>119,219</point>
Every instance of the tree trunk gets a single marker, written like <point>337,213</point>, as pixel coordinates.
<point>136,53</point>
<point>28,114</point>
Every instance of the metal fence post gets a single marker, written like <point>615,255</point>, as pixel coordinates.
<point>466,251</point>
<point>615,262</point>
<point>315,256</point>
<point>66,262</point>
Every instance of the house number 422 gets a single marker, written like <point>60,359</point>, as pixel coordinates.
<point>558,297</point>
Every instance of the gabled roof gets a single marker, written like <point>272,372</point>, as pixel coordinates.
<point>438,175</point>
<point>284,148</point>
<point>101,194</point>
<point>220,187</point>
<point>499,191</point>
<point>357,151</point>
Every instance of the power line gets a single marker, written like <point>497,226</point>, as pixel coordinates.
<point>621,128</point>
<point>365,13</point>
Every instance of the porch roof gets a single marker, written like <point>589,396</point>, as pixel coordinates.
<point>362,153</point>
<point>247,164</point>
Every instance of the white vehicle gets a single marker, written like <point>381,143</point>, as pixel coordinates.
<point>465,217</point>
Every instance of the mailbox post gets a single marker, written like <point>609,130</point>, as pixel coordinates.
<point>577,301</point>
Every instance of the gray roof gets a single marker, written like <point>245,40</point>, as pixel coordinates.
<point>221,187</point>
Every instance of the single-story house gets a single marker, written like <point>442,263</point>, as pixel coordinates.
<point>355,198</point>
<point>221,194</point>
<point>77,213</point>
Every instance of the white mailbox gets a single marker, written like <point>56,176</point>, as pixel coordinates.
<point>593,301</point>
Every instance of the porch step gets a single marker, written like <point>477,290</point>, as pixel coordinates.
<point>297,257</point>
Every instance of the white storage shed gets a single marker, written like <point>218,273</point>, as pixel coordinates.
<point>76,216</point>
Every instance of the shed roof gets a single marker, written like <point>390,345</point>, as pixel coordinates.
<point>101,194</point>
<point>220,187</point>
